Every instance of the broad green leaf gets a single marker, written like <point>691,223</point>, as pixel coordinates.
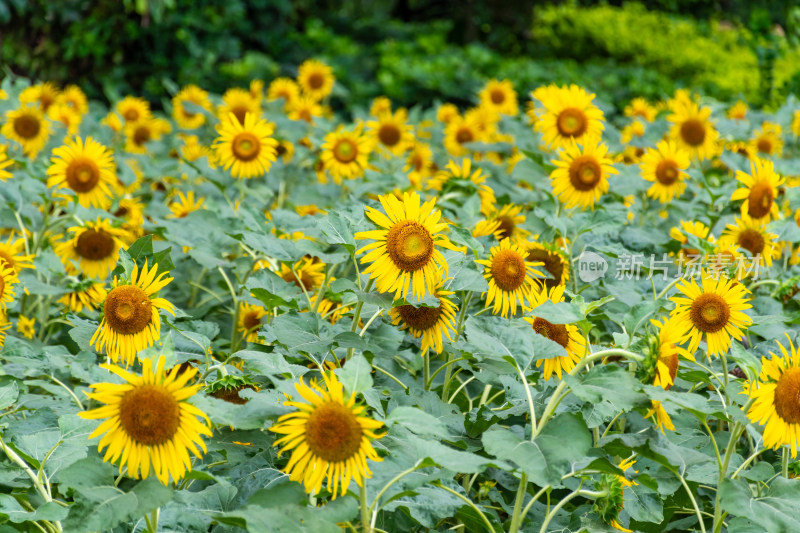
<point>355,375</point>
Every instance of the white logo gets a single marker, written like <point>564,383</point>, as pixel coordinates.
<point>591,266</point>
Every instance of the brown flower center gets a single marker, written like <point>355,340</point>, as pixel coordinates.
<point>141,135</point>
<point>585,173</point>
<point>345,151</point>
<point>316,80</point>
<point>95,245</point>
<point>27,126</point>
<point>572,122</point>
<point>128,310</point>
<point>251,320</point>
<point>667,172</point>
<point>693,132</point>
<point>131,114</point>
<point>240,112</point>
<point>552,263</point>
<point>150,414</point>
<point>333,432</point>
<point>245,146</point>
<point>555,332</point>
<point>752,241</point>
<point>5,256</point>
<point>2,287</point>
<point>420,318</point>
<point>787,396</point>
<point>464,135</point>
<point>764,145</point>
<point>508,270</point>
<point>709,312</point>
<point>409,245</point>
<point>497,96</point>
<point>760,200</point>
<point>82,174</point>
<point>389,135</point>
<point>506,227</point>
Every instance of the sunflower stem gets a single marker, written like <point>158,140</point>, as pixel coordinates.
<point>459,328</point>
<point>366,526</point>
<point>426,371</point>
<point>729,449</point>
<point>152,521</point>
<point>516,518</point>
<point>356,318</point>
<point>694,503</point>
<point>785,462</point>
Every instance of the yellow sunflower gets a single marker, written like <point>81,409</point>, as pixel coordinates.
<point>582,174</point>
<point>380,105</point>
<point>249,321</point>
<point>5,162</point>
<point>419,164</point>
<point>665,347</point>
<point>405,252</point>
<point>134,109</point>
<point>93,249</point>
<point>430,323</point>
<point>66,115</point>
<point>345,153</point>
<point>613,485</point>
<point>464,171</point>
<point>446,112</point>
<point>73,96</point>
<point>640,108</point>
<point>304,108</point>
<point>315,79</point>
<point>693,131</point>
<point>42,94</point>
<point>248,149</point>
<point>148,423</point>
<point>460,131</point>
<point>5,325</point>
<point>131,321</point>
<point>713,309</point>
<point>693,228</point>
<point>503,223</point>
<point>567,335</point>
<point>285,89</point>
<point>510,277</point>
<point>185,204</point>
<point>569,115</point>
<point>553,260</point>
<point>759,191</point>
<point>391,133</point>
<point>87,169</point>
<point>737,111</point>
<point>85,294</point>
<point>240,103</point>
<point>500,97</point>
<point>28,127</point>
<point>768,140</point>
<point>665,166</point>
<point>8,278</point>
<point>138,134</point>
<point>12,253</point>
<point>330,437</point>
<point>186,118</point>
<point>777,398</point>
<point>309,273</point>
<point>752,235</point>
<point>26,326</point>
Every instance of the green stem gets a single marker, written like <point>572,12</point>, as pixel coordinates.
<point>726,460</point>
<point>516,516</point>
<point>694,503</point>
<point>426,371</point>
<point>386,487</point>
<point>469,502</point>
<point>366,526</point>
<point>563,502</point>
<point>533,501</point>
<point>356,318</point>
<point>785,463</point>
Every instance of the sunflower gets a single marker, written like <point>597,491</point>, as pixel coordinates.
<point>285,151</point>
<point>567,335</point>
<point>186,118</point>
<point>12,253</point>
<point>582,174</point>
<point>510,277</point>
<point>430,323</point>
<point>131,211</point>
<point>665,348</point>
<point>692,130</point>
<point>248,149</point>
<point>148,423</point>
<point>690,228</point>
<point>391,133</point>
<point>737,111</point>
<point>553,260</point>
<point>634,129</point>
<point>713,309</point>
<point>640,108</point>
<point>309,210</point>
<point>776,392</point>
<point>460,131</point>
<point>26,326</point>
<point>134,109</point>
<point>380,105</point>
<point>137,134</point>
<point>93,248</point>
<point>5,162</point>
<point>741,148</point>
<point>752,235</point>
<point>42,94</point>
<point>500,97</point>
<point>249,321</point>
<point>131,321</point>
<point>304,108</point>
<point>419,164</point>
<point>446,113</point>
<point>330,437</point>
<point>345,153</point>
<point>66,115</point>
<point>665,166</point>
<point>503,223</point>
<point>73,96</point>
<point>308,273</point>
<point>28,127</point>
<point>405,250</point>
<point>453,171</point>
<point>87,169</point>
<point>85,294</point>
<point>5,325</point>
<point>240,103</point>
<point>613,485</point>
<point>185,204</point>
<point>8,278</point>
<point>569,115</point>
<point>759,191</point>
<point>768,141</point>
<point>285,89</point>
<point>315,79</point>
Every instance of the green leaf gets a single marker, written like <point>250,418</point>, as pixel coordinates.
<point>417,421</point>
<point>558,313</point>
<point>337,229</point>
<point>8,394</point>
<point>643,504</point>
<point>775,511</point>
<point>355,375</point>
<point>272,290</point>
<point>16,514</point>
<point>607,383</point>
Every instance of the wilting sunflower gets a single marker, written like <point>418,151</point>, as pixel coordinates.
<point>249,322</point>
<point>609,506</point>
<point>768,140</point>
<point>5,162</point>
<point>759,191</point>
<point>345,153</point>
<point>752,235</point>
<point>430,323</point>
<point>8,278</point>
<point>639,107</point>
<point>664,348</point>
<point>569,115</point>
<point>567,335</point>
<point>503,223</point>
<point>134,109</point>
<point>453,171</point>
<point>285,89</point>
<point>87,169</point>
<point>315,79</point>
<point>419,164</point>
<point>73,96</point>
<point>460,131</point>
<point>693,131</point>
<point>391,133</point>
<point>405,252</point>
<point>510,277</point>
<point>131,321</point>
<point>582,174</point>
<point>240,103</point>
<point>42,94</point>
<point>138,134</point>
<point>186,118</point>
<point>330,437</point>
<point>148,423</point>
<point>309,273</point>
<point>553,260</point>
<point>28,127</point>
<point>665,166</point>
<point>185,204</point>
<point>93,249</point>
<point>500,97</point>
<point>85,294</point>
<point>777,398</point>
<point>248,149</point>
<point>713,309</point>
<point>12,253</point>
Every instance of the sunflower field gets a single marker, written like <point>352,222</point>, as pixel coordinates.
<point>540,312</point>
